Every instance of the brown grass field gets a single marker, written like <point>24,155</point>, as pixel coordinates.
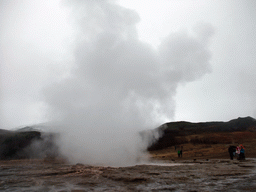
<point>213,146</point>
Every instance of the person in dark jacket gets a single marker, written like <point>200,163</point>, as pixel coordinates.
<point>231,151</point>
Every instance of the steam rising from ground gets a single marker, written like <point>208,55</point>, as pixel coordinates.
<point>120,85</point>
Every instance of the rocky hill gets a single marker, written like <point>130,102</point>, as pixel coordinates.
<point>26,143</point>
<point>176,133</point>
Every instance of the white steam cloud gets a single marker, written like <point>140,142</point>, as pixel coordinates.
<point>120,85</point>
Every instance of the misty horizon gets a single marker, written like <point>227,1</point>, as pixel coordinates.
<point>87,68</point>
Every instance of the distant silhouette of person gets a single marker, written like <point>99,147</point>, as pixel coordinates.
<point>231,151</point>
<point>178,153</point>
<point>238,151</point>
<point>181,148</point>
<point>242,153</point>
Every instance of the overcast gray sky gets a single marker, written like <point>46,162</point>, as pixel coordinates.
<point>138,62</point>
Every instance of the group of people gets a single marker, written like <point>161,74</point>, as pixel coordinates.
<point>234,151</point>
<point>237,151</point>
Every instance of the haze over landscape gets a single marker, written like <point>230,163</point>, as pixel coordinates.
<point>103,70</point>
<point>45,43</point>
<point>127,95</point>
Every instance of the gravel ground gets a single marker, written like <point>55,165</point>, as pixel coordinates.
<point>184,175</point>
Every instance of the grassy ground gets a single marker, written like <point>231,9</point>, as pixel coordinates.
<point>216,148</point>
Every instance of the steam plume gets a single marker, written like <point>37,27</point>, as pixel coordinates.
<point>120,85</point>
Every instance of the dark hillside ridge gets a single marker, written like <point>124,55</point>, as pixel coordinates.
<point>26,143</point>
<point>170,131</point>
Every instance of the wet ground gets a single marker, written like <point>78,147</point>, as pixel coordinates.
<point>189,175</point>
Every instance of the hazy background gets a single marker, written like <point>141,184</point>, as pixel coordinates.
<point>103,70</point>
<point>39,45</point>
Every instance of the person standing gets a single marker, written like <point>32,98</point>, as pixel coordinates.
<point>178,153</point>
<point>242,153</point>
<point>231,151</point>
<point>238,152</point>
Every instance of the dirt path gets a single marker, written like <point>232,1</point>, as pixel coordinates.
<point>187,175</point>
